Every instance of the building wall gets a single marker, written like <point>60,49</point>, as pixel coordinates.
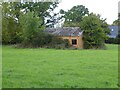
<point>78,38</point>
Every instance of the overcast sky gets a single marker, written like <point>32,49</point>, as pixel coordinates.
<point>106,8</point>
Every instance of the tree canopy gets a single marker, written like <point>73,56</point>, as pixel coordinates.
<point>24,22</point>
<point>31,29</point>
<point>74,16</point>
<point>11,12</point>
<point>117,22</point>
<point>95,31</point>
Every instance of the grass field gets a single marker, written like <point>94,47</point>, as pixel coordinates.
<point>40,68</point>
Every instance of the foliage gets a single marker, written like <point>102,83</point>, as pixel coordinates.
<point>39,9</point>
<point>11,17</point>
<point>117,22</point>
<point>10,31</point>
<point>51,68</point>
<point>32,34</point>
<point>58,43</point>
<point>24,23</point>
<point>54,17</point>
<point>74,15</point>
<point>43,10</point>
<point>10,26</point>
<point>95,31</point>
<point>71,24</point>
<point>11,9</point>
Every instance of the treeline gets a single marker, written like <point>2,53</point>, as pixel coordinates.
<point>24,24</point>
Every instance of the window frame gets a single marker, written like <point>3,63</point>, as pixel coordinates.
<point>74,41</point>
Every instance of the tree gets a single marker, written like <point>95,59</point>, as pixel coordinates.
<point>10,31</point>
<point>54,17</point>
<point>53,20</point>
<point>74,16</point>
<point>43,10</point>
<point>117,22</point>
<point>95,31</point>
<point>10,17</point>
<point>10,26</point>
<point>33,34</point>
<point>32,30</point>
<point>71,24</point>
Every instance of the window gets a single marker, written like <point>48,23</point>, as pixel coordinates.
<point>74,42</point>
<point>112,30</point>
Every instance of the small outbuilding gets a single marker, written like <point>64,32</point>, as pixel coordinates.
<point>73,34</point>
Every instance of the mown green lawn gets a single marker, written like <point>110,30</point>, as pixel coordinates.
<point>41,68</point>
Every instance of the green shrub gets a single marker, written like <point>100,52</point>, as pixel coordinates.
<point>32,30</point>
<point>95,31</point>
<point>10,31</point>
<point>58,43</point>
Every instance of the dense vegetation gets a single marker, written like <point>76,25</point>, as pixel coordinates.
<point>42,68</point>
<point>95,31</point>
<point>24,24</point>
<point>95,28</point>
<point>74,16</point>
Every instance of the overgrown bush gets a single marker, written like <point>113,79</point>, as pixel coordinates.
<point>95,31</point>
<point>10,31</point>
<point>58,43</point>
<point>32,30</point>
<point>33,34</point>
